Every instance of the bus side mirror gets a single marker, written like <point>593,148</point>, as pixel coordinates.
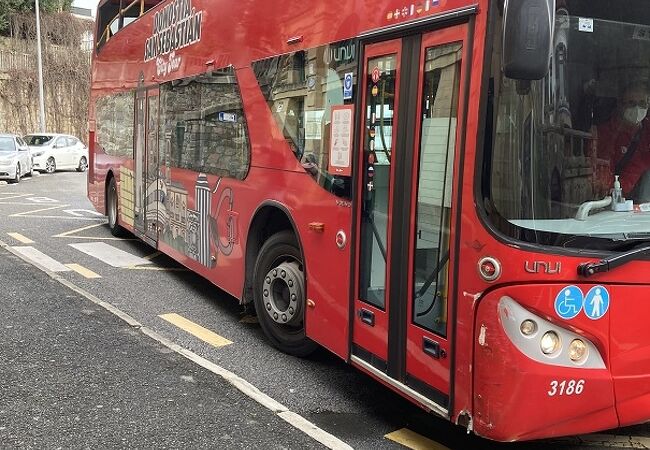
<point>527,38</point>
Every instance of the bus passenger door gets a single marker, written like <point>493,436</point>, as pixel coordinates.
<point>139,161</point>
<point>152,189</point>
<point>146,165</point>
<point>401,332</point>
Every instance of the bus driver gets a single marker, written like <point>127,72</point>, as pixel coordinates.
<point>624,141</point>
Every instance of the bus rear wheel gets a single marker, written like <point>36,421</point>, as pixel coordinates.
<point>111,209</point>
<point>279,294</point>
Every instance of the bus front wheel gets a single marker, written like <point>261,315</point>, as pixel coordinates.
<point>279,294</point>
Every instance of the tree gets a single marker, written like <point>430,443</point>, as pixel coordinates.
<point>10,7</point>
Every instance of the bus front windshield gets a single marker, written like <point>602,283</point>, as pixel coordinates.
<point>567,158</point>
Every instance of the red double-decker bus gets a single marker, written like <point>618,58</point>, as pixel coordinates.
<point>451,195</point>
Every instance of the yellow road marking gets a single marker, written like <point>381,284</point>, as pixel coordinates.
<point>38,210</point>
<point>81,270</point>
<point>152,256</point>
<point>196,330</point>
<point>20,238</point>
<point>413,440</point>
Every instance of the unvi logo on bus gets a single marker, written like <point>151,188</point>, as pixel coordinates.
<point>176,26</point>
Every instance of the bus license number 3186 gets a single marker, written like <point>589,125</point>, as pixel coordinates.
<point>566,387</point>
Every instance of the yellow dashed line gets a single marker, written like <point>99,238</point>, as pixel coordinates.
<point>81,270</point>
<point>413,440</point>
<point>20,238</point>
<point>196,330</point>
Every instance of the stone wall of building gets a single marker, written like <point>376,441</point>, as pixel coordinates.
<point>66,85</point>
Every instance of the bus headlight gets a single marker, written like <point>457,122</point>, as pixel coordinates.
<point>577,350</point>
<point>544,341</point>
<point>550,343</point>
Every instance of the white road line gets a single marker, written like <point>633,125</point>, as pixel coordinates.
<point>72,234</point>
<point>7,196</point>
<point>78,230</point>
<point>24,213</point>
<point>109,254</point>
<point>299,422</point>
<point>40,259</point>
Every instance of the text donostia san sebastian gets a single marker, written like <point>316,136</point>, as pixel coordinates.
<point>176,26</point>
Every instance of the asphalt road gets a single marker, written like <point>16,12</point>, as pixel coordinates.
<point>75,375</point>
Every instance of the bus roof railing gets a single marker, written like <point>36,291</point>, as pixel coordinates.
<point>110,11</point>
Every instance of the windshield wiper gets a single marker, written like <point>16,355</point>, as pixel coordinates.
<point>607,264</point>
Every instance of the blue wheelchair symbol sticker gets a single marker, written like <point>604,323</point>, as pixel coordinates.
<point>347,85</point>
<point>568,302</point>
<point>596,302</point>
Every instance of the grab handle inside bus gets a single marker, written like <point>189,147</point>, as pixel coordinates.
<point>527,38</point>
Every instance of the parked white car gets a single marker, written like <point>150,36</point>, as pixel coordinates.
<point>15,160</point>
<point>51,152</point>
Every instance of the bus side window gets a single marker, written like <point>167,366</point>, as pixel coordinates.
<point>300,89</point>
<point>204,117</point>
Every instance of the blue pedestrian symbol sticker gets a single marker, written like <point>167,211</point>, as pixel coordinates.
<point>568,302</point>
<point>596,302</point>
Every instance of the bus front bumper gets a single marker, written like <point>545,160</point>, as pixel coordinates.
<point>520,393</point>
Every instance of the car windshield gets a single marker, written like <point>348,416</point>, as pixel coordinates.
<point>7,144</point>
<point>37,140</point>
<point>567,158</point>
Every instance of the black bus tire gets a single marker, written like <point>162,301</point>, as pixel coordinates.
<point>112,209</point>
<point>279,295</point>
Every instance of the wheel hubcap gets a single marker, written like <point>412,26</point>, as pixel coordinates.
<point>83,164</point>
<point>49,166</point>
<point>283,293</point>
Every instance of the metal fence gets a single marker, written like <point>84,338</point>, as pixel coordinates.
<point>10,60</point>
<point>14,61</point>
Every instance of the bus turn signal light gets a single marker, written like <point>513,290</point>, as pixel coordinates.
<point>318,227</point>
<point>528,327</point>
<point>577,350</point>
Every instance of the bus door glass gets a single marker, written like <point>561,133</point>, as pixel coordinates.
<point>139,159</point>
<point>146,165</point>
<point>410,109</point>
<point>152,193</point>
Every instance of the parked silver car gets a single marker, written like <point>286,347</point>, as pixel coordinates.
<point>51,152</point>
<point>15,159</point>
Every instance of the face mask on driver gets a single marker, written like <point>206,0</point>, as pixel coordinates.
<point>635,114</point>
